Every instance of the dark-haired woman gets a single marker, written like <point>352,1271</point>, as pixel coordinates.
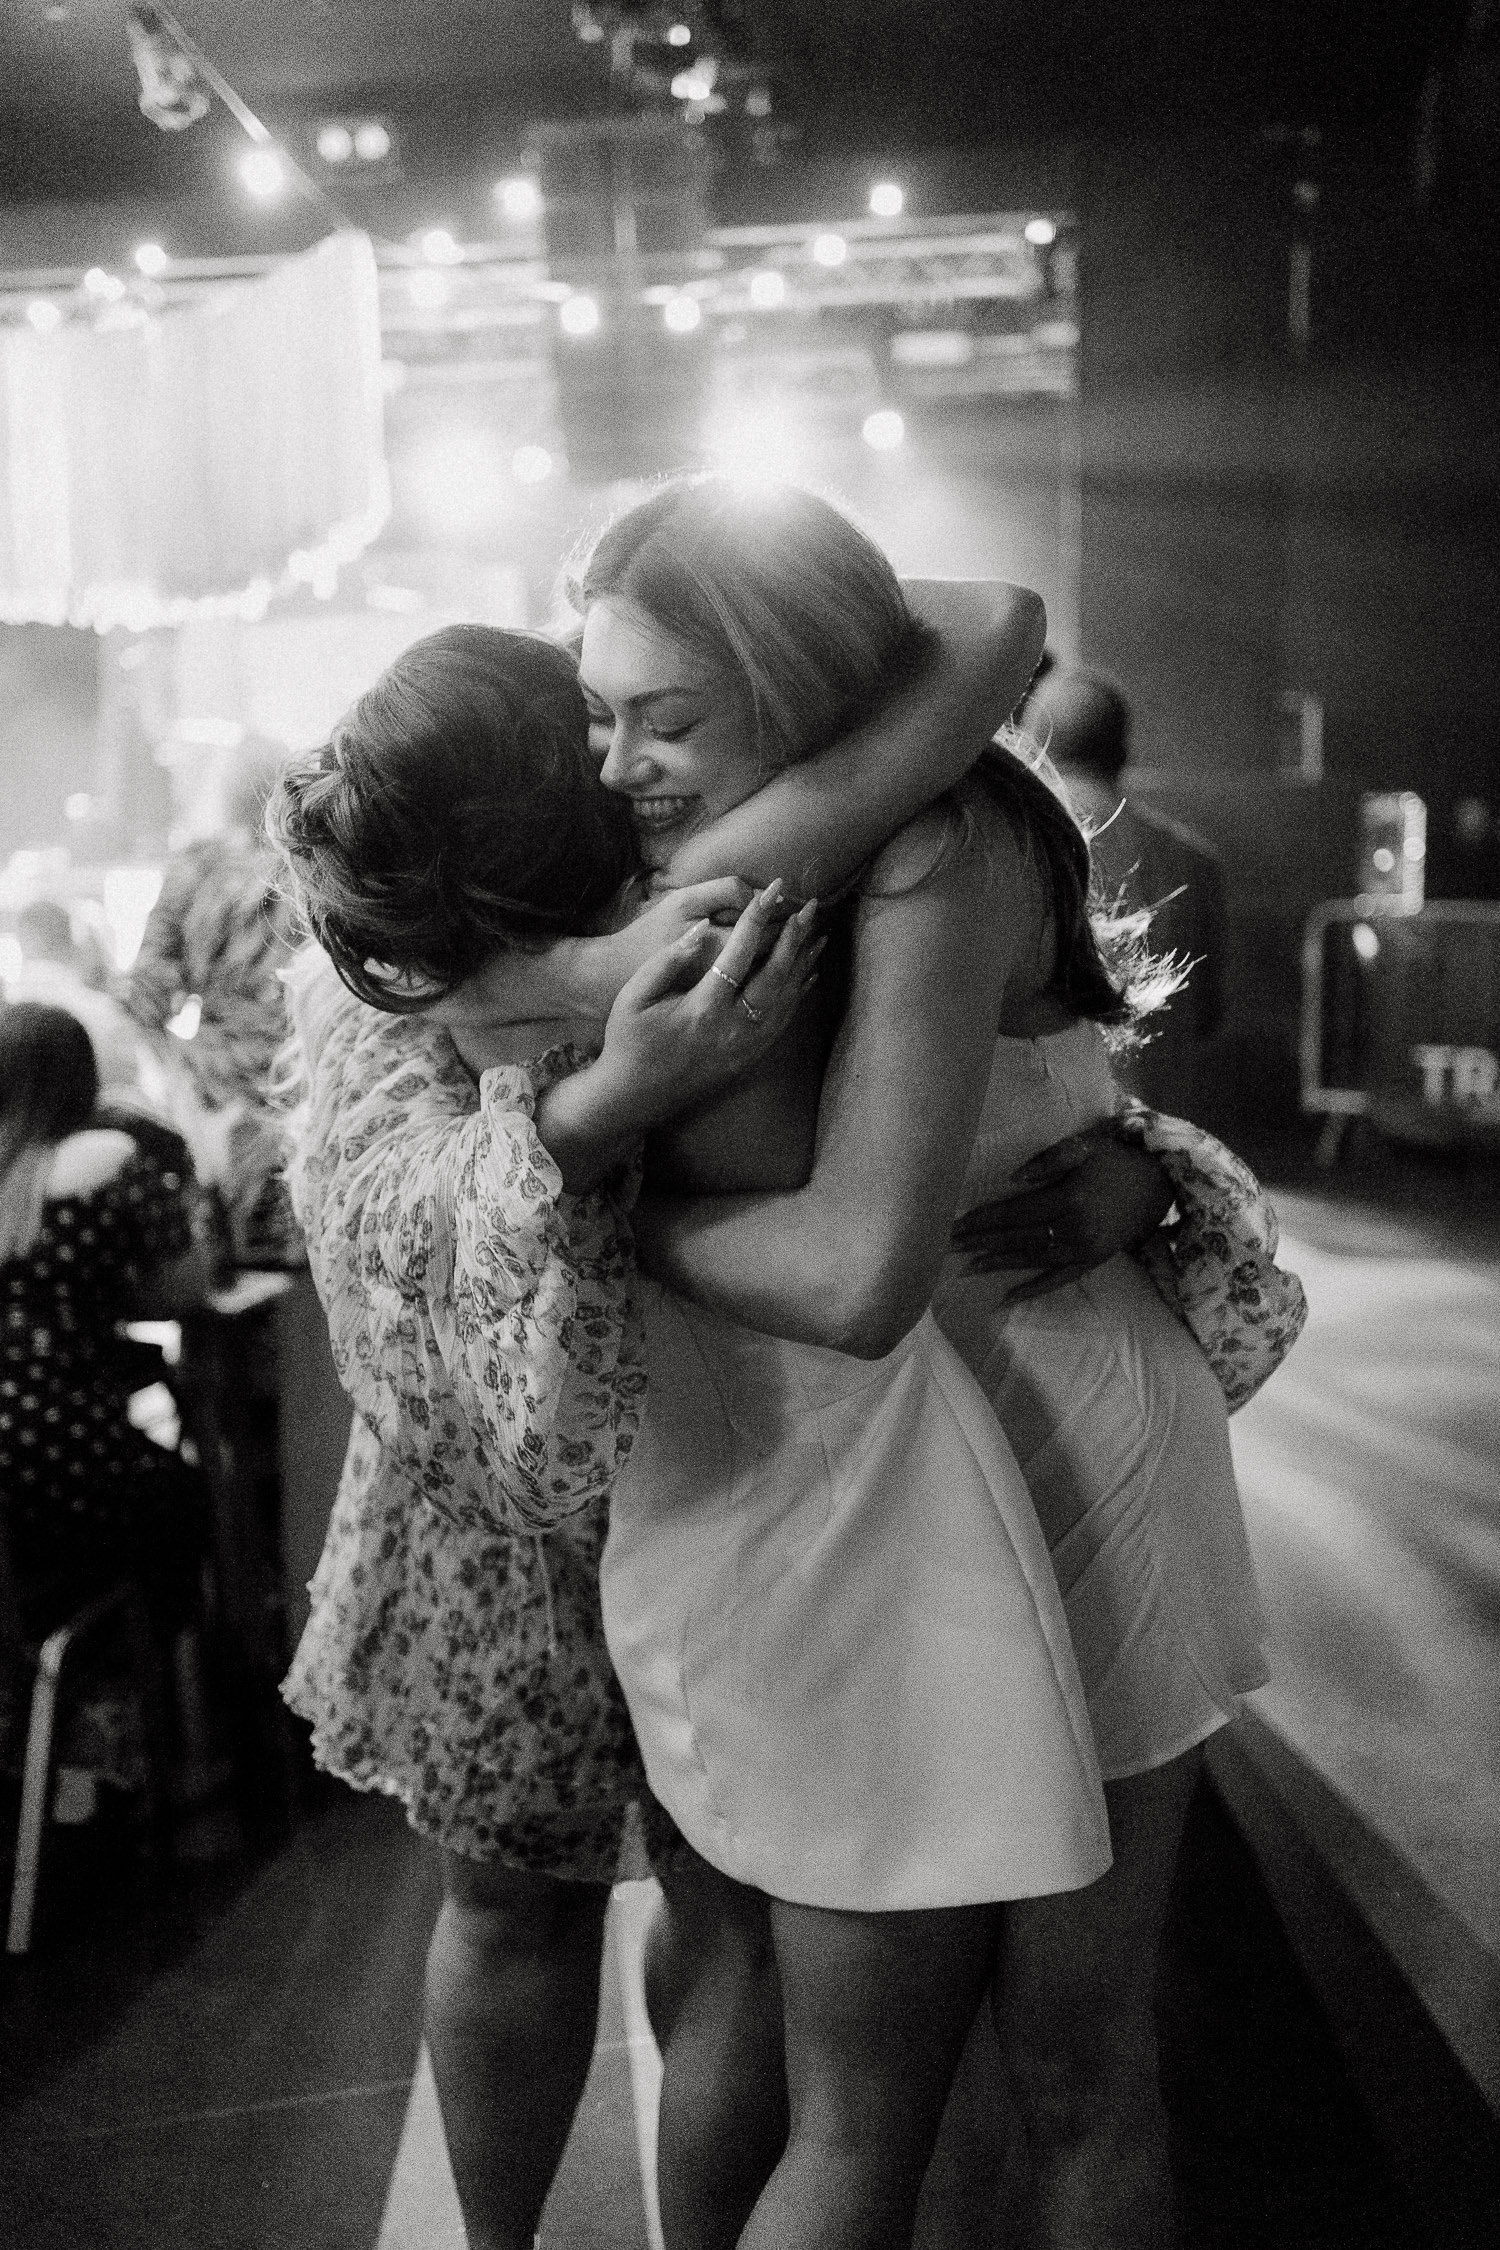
<point>95,1227</point>
<point>479,1305</point>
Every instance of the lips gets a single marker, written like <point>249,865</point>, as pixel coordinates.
<point>660,812</point>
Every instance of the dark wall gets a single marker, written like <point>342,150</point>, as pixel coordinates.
<point>1259,518</point>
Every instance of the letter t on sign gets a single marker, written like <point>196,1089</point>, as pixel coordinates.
<point>1434,1063</point>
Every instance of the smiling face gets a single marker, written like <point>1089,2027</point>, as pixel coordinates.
<point>677,736</point>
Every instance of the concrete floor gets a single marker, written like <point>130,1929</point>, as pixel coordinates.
<point>228,2058</point>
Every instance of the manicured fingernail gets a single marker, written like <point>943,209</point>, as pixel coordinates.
<point>807,915</point>
<point>694,936</point>
<point>771,895</point>
<point>814,951</point>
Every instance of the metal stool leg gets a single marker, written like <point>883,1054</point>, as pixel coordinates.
<point>34,1788</point>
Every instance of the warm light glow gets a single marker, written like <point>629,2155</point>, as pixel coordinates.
<point>679,36</point>
<point>1040,232</point>
<point>519,199</point>
<point>428,290</point>
<point>151,259</point>
<point>78,805</point>
<point>335,144</point>
<point>439,248</point>
<point>696,84</point>
<point>683,315</point>
<point>263,172</point>
<point>531,464</point>
<point>887,199</point>
<point>883,430</point>
<point>768,287</point>
<point>758,444</point>
<point>457,477</point>
<point>829,249</point>
<point>1364,940</point>
<point>371,141</point>
<point>44,315</point>
<point>579,315</point>
<point>98,283</point>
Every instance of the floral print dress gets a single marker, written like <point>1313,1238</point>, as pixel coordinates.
<point>483,1324</point>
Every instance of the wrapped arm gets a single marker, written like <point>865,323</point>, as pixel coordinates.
<point>1215,1262</point>
<point>851,1259</point>
<point>479,1315</point>
<point>817,823</point>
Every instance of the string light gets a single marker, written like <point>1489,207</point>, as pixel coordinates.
<point>520,199</point>
<point>682,315</point>
<point>439,248</point>
<point>829,249</point>
<point>531,464</point>
<point>44,315</point>
<point>1040,232</point>
<point>262,172</point>
<point>768,288</point>
<point>106,286</point>
<point>151,259</point>
<point>579,315</point>
<point>335,144</point>
<point>372,143</point>
<point>679,36</point>
<point>887,199</point>
<point>883,430</point>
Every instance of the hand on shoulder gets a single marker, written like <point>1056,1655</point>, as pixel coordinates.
<point>89,1160</point>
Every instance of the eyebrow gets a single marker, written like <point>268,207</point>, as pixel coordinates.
<point>641,702</point>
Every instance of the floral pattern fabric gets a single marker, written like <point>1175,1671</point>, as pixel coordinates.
<point>1215,1263</point>
<point>483,1323</point>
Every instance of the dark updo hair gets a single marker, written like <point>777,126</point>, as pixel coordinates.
<point>456,811</point>
<point>49,1083</point>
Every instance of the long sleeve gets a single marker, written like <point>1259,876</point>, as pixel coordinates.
<point>1215,1263</point>
<point>481,1316</point>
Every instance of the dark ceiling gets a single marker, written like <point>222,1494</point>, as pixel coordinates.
<point>462,77</point>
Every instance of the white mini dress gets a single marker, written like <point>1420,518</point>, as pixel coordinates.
<point>1122,1435</point>
<point>830,1606</point>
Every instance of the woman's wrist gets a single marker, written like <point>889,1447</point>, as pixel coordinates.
<point>588,1125</point>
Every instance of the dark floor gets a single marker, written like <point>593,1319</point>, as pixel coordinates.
<point>223,2060</point>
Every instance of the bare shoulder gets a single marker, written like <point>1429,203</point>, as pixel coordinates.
<point>962,843</point>
<point>87,1161</point>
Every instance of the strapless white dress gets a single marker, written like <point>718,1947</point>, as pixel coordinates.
<point>830,1605</point>
<point>1122,1435</point>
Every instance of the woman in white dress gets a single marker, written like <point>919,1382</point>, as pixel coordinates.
<point>1112,1409</point>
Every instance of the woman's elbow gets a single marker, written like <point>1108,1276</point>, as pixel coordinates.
<point>871,1319</point>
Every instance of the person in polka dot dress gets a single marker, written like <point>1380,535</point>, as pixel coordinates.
<point>94,1229</point>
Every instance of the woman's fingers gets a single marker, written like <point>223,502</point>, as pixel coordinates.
<point>723,895</point>
<point>786,968</point>
<point>750,936</point>
<point>671,968</point>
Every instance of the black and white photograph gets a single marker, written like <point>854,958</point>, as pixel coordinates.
<point>750,1125</point>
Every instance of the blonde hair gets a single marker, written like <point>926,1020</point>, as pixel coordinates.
<point>775,588</point>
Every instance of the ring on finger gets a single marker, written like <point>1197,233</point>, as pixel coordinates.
<point>723,976</point>
<point>753,1013</point>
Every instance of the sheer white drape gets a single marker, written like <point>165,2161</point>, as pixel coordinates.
<point>188,463</point>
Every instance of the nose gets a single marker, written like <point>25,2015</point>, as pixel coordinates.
<point>626,763</point>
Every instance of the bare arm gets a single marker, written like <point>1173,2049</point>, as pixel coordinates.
<point>851,1259</point>
<point>817,823</point>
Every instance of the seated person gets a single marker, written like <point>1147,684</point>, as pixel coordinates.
<point>95,1229</point>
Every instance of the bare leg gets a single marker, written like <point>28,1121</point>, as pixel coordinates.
<point>714,1999</point>
<point>877,2010</point>
<point>1073,2000</point>
<point>512,2010</point>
